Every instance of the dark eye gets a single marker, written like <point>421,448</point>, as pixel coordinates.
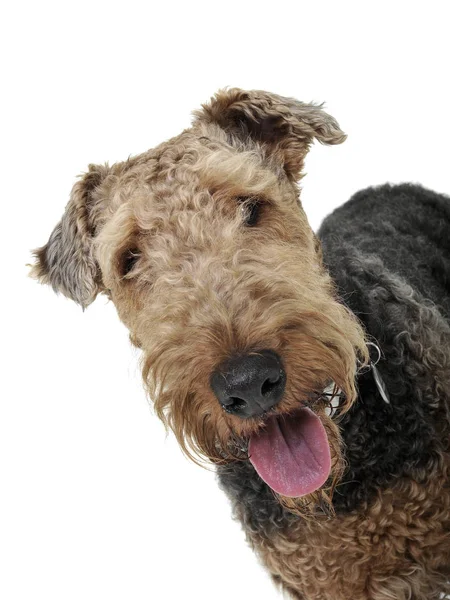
<point>251,208</point>
<point>128,261</point>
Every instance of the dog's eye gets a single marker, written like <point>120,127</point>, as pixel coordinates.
<point>250,208</point>
<point>128,261</point>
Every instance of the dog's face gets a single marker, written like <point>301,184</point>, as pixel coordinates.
<point>204,248</point>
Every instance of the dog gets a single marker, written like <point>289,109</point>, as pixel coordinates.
<point>312,369</point>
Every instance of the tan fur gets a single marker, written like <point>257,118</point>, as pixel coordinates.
<point>204,286</point>
<point>395,548</point>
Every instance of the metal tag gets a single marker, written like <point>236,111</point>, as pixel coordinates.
<point>380,384</point>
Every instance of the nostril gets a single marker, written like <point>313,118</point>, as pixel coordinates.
<point>269,385</point>
<point>234,404</point>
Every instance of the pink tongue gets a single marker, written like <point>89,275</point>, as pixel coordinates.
<point>292,454</point>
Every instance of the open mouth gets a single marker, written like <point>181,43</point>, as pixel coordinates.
<point>291,453</point>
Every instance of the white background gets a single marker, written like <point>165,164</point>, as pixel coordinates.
<point>95,502</point>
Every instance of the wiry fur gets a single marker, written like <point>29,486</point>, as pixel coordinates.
<point>67,262</point>
<point>163,235</point>
<point>388,252</point>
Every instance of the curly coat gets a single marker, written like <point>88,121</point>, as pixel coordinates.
<point>165,236</point>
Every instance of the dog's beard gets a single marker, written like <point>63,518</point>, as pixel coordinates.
<point>206,432</point>
<point>316,348</point>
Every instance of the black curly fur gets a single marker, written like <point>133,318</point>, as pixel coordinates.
<point>388,251</point>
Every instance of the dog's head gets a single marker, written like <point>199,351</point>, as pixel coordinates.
<point>204,248</point>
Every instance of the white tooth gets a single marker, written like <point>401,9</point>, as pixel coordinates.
<point>328,411</point>
<point>329,389</point>
<point>335,401</point>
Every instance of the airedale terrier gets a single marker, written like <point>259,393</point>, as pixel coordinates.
<point>313,370</point>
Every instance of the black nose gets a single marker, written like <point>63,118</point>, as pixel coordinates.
<point>247,386</point>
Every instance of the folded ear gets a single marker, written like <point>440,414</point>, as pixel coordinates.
<point>66,261</point>
<point>284,125</point>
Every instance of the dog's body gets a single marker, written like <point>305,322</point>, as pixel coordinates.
<point>246,319</point>
<point>388,250</point>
